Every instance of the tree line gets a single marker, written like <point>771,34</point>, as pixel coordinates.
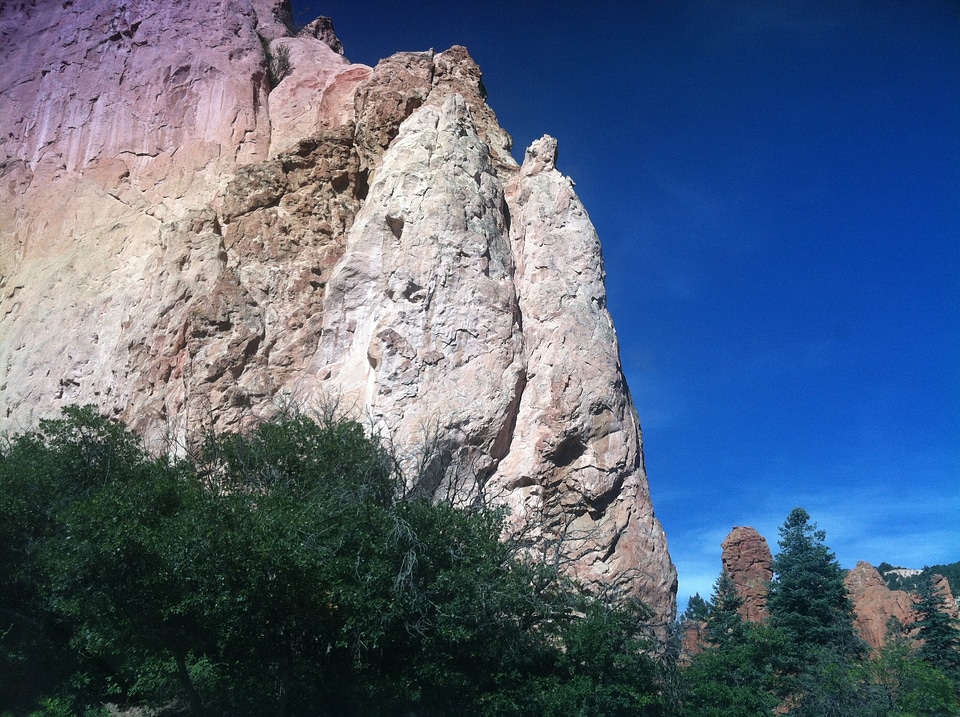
<point>895,581</point>
<point>294,571</point>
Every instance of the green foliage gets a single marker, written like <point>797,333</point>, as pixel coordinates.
<point>808,600</point>
<point>697,610</point>
<point>807,661</point>
<point>736,673</point>
<point>736,679</point>
<point>809,605</point>
<point>936,629</point>
<point>832,684</point>
<point>724,623</point>
<point>286,572</point>
<point>905,684</point>
<point>290,572</point>
<point>951,571</point>
<point>43,475</point>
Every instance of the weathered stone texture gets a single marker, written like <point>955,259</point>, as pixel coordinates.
<point>182,244</point>
<point>874,603</point>
<point>941,584</point>
<point>746,558</point>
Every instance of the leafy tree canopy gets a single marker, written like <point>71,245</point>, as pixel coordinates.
<point>286,572</point>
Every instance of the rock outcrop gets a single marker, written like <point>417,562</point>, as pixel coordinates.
<point>182,243</point>
<point>874,603</point>
<point>746,558</point>
<point>942,585</point>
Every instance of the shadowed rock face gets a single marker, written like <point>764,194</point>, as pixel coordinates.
<point>183,244</point>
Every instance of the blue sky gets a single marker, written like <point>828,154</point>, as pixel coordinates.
<point>777,189</point>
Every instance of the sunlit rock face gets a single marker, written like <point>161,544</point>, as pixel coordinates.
<point>874,603</point>
<point>183,244</point>
<point>746,558</point>
<point>942,585</point>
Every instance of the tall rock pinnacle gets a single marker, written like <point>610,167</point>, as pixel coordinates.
<point>188,239</point>
<point>746,558</point>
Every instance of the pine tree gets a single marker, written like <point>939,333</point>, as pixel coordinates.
<point>735,675</point>
<point>697,610</point>
<point>809,605</point>
<point>724,623</point>
<point>937,629</point>
<point>808,600</point>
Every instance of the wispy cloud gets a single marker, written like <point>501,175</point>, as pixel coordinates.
<point>875,505</point>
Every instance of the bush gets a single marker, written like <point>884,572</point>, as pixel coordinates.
<point>289,572</point>
<point>278,62</point>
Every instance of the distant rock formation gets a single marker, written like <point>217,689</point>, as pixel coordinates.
<point>746,558</point>
<point>941,584</point>
<point>874,603</point>
<point>183,244</point>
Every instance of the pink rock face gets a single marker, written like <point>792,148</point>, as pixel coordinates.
<point>746,558</point>
<point>117,119</point>
<point>874,603</point>
<point>184,245</point>
<point>941,584</point>
<point>319,90</point>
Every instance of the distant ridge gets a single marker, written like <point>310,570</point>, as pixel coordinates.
<point>898,578</point>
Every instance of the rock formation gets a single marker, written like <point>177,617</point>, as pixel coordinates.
<point>182,243</point>
<point>874,603</point>
<point>746,558</point>
<point>942,585</point>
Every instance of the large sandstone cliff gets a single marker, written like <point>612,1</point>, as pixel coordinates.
<point>181,243</point>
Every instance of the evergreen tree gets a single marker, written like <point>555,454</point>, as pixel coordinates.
<point>697,610</point>
<point>809,605</point>
<point>736,673</point>
<point>937,629</point>
<point>808,600</point>
<point>724,623</point>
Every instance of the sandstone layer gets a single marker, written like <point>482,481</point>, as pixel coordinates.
<point>186,242</point>
<point>746,558</point>
<point>875,604</point>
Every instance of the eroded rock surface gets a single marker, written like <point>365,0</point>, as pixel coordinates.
<point>746,558</point>
<point>941,584</point>
<point>183,244</point>
<point>874,603</point>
